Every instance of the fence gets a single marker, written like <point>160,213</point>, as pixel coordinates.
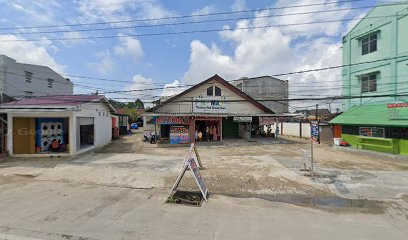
<point>302,130</point>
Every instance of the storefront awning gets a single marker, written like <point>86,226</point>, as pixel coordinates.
<point>220,114</point>
<point>374,115</point>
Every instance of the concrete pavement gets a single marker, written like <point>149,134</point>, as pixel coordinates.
<point>55,210</point>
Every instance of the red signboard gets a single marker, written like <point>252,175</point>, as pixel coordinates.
<point>397,105</point>
<point>266,121</point>
<point>172,120</point>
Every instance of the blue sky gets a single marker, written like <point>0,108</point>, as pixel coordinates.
<point>151,61</point>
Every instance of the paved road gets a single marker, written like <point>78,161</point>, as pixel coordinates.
<point>119,194</point>
<point>55,210</point>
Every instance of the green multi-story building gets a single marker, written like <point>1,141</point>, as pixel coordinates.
<point>375,56</point>
<point>375,81</point>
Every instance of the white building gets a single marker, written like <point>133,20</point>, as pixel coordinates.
<point>213,107</point>
<point>19,80</point>
<point>75,124</point>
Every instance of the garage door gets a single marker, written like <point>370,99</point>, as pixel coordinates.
<point>23,135</point>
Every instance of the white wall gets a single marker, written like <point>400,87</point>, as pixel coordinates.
<point>102,122</point>
<point>244,130</point>
<point>12,115</point>
<point>306,130</point>
<point>293,129</point>
<point>290,129</point>
<point>13,80</point>
<point>232,107</point>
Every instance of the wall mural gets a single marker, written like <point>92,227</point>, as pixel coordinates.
<point>48,130</point>
<point>179,135</point>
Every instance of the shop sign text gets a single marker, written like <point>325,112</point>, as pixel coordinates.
<point>172,120</point>
<point>208,105</point>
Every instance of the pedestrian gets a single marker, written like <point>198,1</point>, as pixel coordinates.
<point>200,136</point>
<point>207,133</point>
<point>215,133</point>
<point>195,135</point>
<point>211,133</point>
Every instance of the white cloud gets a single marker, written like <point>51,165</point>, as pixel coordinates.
<point>75,38</point>
<point>29,52</point>
<point>269,51</point>
<point>173,88</point>
<point>238,5</point>
<point>38,11</point>
<point>142,83</point>
<point>205,10</point>
<point>153,9</point>
<point>94,10</point>
<point>257,52</point>
<point>308,30</point>
<point>129,47</point>
<point>105,64</point>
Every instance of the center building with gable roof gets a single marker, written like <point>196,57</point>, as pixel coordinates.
<point>213,107</point>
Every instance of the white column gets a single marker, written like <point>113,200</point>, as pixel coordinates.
<point>10,133</point>
<point>72,134</point>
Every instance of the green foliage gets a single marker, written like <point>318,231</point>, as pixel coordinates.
<point>132,112</point>
<point>130,108</point>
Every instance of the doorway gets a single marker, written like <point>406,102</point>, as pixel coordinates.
<point>210,129</point>
<point>86,131</point>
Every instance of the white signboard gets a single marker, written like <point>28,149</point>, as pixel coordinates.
<point>191,164</point>
<point>197,176</point>
<point>242,119</point>
<point>209,105</point>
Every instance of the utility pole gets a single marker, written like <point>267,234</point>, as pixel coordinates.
<point>311,142</point>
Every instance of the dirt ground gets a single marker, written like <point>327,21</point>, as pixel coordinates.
<point>236,170</point>
<point>263,166</point>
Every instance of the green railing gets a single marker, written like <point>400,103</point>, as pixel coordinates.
<point>378,144</point>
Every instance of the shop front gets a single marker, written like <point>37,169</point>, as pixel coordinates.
<point>381,128</point>
<point>49,125</point>
<point>187,129</point>
<point>208,111</point>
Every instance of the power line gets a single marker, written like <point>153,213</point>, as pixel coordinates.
<point>291,73</point>
<point>184,86</point>
<point>196,22</point>
<point>403,94</point>
<point>188,32</point>
<point>181,17</point>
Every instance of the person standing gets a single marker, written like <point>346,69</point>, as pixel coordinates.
<point>200,136</point>
<point>215,133</point>
<point>207,133</point>
<point>211,133</point>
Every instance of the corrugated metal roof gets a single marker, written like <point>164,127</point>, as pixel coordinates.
<point>368,115</point>
<point>65,100</point>
<point>55,102</point>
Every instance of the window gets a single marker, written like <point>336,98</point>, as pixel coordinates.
<point>239,86</point>
<point>369,83</point>
<point>50,81</point>
<point>351,130</point>
<point>28,76</point>
<point>372,132</point>
<point>369,44</point>
<point>217,91</point>
<point>210,91</point>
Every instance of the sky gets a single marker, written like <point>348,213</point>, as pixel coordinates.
<point>122,45</point>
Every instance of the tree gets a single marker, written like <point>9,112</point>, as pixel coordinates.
<point>139,104</point>
<point>117,104</point>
